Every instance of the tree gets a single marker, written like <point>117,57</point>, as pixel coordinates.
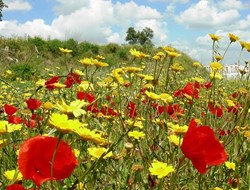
<point>132,36</point>
<point>140,37</point>
<point>2,5</point>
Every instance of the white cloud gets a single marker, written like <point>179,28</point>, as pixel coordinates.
<point>97,21</point>
<point>65,7</point>
<point>231,4</point>
<point>205,14</point>
<point>18,5</point>
<point>171,1</point>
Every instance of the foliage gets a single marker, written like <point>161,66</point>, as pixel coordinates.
<point>143,37</point>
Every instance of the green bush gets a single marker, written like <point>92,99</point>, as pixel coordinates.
<point>22,70</point>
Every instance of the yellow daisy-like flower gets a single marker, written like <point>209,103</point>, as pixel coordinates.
<point>176,140</point>
<point>100,57</point>
<point>230,165</point>
<point>13,175</point>
<point>47,105</point>
<point>216,75</point>
<point>167,48</point>
<point>216,66</point>
<point>98,63</point>
<point>76,152</point>
<point>214,37</point>
<point>65,50</point>
<point>74,108</point>
<point>138,54</point>
<point>152,95</point>
<point>8,72</point>
<point>59,85</point>
<point>40,82</point>
<point>166,98</point>
<point>218,58</point>
<point>198,79</point>
<point>97,152</point>
<point>160,169</point>
<point>136,134</point>
<point>6,127</point>
<point>88,135</point>
<point>177,129</point>
<point>173,54</point>
<point>233,38</point>
<point>217,188</point>
<point>176,67</point>
<point>243,44</point>
<point>196,64</point>
<point>247,46</point>
<point>158,56</point>
<point>85,86</point>
<point>132,69</point>
<point>78,72</point>
<point>86,62</point>
<point>247,133</point>
<point>116,73</point>
<point>63,124</point>
<point>135,123</point>
<point>230,103</point>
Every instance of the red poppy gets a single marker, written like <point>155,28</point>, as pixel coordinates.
<point>235,109</point>
<point>14,119</point>
<point>33,103</point>
<point>90,98</point>
<point>9,109</point>
<point>202,147</point>
<point>207,85</point>
<point>71,79</point>
<point>49,84</point>
<point>192,89</point>
<point>131,107</point>
<point>108,111</point>
<point>15,186</point>
<point>215,110</point>
<point>35,157</point>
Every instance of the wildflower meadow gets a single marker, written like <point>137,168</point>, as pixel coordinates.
<point>142,124</point>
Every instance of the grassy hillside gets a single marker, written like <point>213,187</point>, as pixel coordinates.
<point>26,57</point>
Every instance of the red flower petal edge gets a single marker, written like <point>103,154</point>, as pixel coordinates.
<point>202,147</point>
<point>35,158</point>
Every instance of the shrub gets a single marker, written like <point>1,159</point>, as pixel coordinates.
<point>22,70</point>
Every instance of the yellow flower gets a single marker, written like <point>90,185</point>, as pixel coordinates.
<point>233,38</point>
<point>216,75</point>
<point>63,124</point>
<point>176,140</point>
<point>198,79</point>
<point>243,44</point>
<point>159,56</point>
<point>86,61</point>
<point>176,67</point>
<point>100,57</point>
<point>65,50</point>
<point>97,152</point>
<point>247,46</point>
<point>116,73</point>
<point>99,63</point>
<point>74,108</point>
<point>132,69</point>
<point>76,152</point>
<point>13,175</point>
<point>134,123</point>
<point>78,72</point>
<point>48,105</point>
<point>85,86</point>
<point>196,64</point>
<point>40,82</point>
<point>215,66</point>
<point>136,134</point>
<point>160,169</point>
<point>230,165</point>
<point>6,127</point>
<point>59,85</point>
<point>167,48</point>
<point>138,54</point>
<point>173,54</point>
<point>247,134</point>
<point>152,95</point>
<point>218,58</point>
<point>178,130</point>
<point>9,72</point>
<point>217,188</point>
<point>230,103</point>
<point>166,98</point>
<point>214,37</point>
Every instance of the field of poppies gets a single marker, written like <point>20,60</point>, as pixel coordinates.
<point>140,125</point>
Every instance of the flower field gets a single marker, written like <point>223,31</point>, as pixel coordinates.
<point>140,125</point>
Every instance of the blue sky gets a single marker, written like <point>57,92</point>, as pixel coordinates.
<point>183,24</point>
